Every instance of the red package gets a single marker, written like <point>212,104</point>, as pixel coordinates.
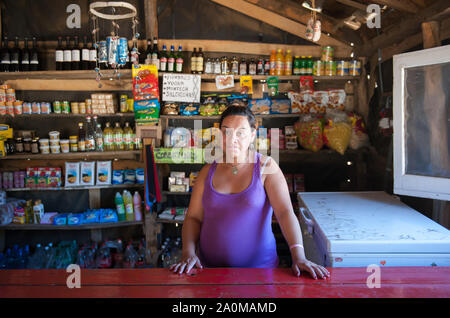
<point>145,82</point>
<point>306,84</point>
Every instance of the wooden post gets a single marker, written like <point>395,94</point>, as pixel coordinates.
<point>151,19</point>
<point>94,199</point>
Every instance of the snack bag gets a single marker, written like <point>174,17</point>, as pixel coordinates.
<point>103,172</point>
<point>309,132</point>
<point>209,109</point>
<point>146,111</point>
<point>338,131</point>
<point>72,174</point>
<point>336,99</point>
<point>87,173</point>
<point>272,85</point>
<point>170,109</point>
<point>224,81</point>
<point>246,85</point>
<point>260,106</point>
<point>306,83</point>
<point>300,102</point>
<point>189,110</point>
<point>319,102</point>
<point>145,82</point>
<point>280,106</point>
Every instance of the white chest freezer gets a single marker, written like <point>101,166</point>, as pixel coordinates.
<point>357,229</point>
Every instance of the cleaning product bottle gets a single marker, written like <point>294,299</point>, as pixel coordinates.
<point>273,63</point>
<point>288,63</point>
<point>128,201</point>
<point>279,63</point>
<point>120,207</point>
<point>137,205</point>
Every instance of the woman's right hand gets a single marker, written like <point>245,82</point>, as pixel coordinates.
<point>185,264</point>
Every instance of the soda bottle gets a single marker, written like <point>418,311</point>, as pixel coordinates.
<point>273,63</point>
<point>128,202</point>
<point>303,66</point>
<point>128,137</point>
<point>118,137</point>
<point>99,138</point>
<point>108,138</point>
<point>309,66</point>
<point>163,60</point>
<point>288,64</point>
<point>279,69</point>
<point>141,256</point>
<point>103,258</point>
<point>137,206</point>
<point>120,207</point>
<point>297,65</point>
<point>179,61</point>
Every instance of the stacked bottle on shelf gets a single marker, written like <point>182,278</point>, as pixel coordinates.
<point>16,59</point>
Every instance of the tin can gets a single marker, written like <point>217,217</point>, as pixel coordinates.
<point>74,106</point>
<point>26,108</point>
<point>340,68</point>
<point>66,107</point>
<point>82,108</point>
<point>5,86</point>
<point>123,51</point>
<point>18,108</point>
<point>318,68</point>
<point>355,68</point>
<point>2,108</point>
<point>102,52</point>
<point>10,108</point>
<point>57,107</point>
<point>10,95</point>
<point>45,108</point>
<point>35,108</point>
<point>330,68</point>
<point>2,95</point>
<point>327,54</point>
<point>112,49</point>
<point>123,103</point>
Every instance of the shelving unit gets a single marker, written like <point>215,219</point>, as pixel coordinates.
<point>45,227</point>
<point>124,155</point>
<point>80,188</point>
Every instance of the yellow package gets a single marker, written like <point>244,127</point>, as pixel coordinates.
<point>246,85</point>
<point>337,136</point>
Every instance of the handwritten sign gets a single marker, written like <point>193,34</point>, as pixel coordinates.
<point>181,88</point>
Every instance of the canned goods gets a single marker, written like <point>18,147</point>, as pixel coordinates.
<point>18,110</point>
<point>355,68</point>
<point>5,86</point>
<point>66,107</point>
<point>57,107</point>
<point>123,51</point>
<point>318,68</point>
<point>327,54</point>
<point>330,68</point>
<point>112,46</point>
<point>74,147</point>
<point>10,108</point>
<point>2,108</point>
<point>102,52</point>
<point>10,95</point>
<point>35,108</point>
<point>123,103</point>
<point>74,106</point>
<point>88,108</point>
<point>340,68</point>
<point>45,108</point>
<point>26,108</point>
<point>2,95</point>
<point>82,108</point>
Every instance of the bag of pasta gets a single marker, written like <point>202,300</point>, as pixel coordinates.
<point>309,132</point>
<point>338,131</point>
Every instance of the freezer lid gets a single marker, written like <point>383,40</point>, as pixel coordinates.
<point>372,222</point>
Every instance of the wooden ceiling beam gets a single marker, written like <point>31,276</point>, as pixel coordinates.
<point>281,22</point>
<point>401,5</point>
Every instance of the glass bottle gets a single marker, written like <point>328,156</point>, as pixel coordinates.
<point>59,55</point>
<point>34,56</point>
<point>85,55</point>
<point>81,138</point>
<point>179,61</point>
<point>25,61</point>
<point>128,137</point>
<point>15,56</point>
<point>243,67</point>
<point>234,66</point>
<point>194,61</point>
<point>67,55</point>
<point>108,138</point>
<point>200,61</point>
<point>75,62</point>
<point>5,56</point>
<point>118,137</point>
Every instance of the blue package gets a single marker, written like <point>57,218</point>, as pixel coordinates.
<point>140,176</point>
<point>108,216</point>
<point>117,177</point>
<point>130,177</point>
<point>74,218</point>
<point>90,216</point>
<point>189,110</point>
<point>280,106</point>
<point>60,219</point>
<point>260,106</point>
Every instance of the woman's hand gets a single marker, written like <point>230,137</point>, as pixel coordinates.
<point>313,269</point>
<point>186,263</point>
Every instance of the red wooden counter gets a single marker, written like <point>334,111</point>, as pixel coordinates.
<point>397,282</point>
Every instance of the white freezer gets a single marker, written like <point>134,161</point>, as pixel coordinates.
<point>357,229</point>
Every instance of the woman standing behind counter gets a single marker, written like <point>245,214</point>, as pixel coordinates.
<point>230,211</point>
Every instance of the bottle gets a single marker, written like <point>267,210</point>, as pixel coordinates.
<point>34,56</point>
<point>67,55</point>
<point>59,55</point>
<point>118,137</point>
<point>75,64</point>
<point>99,138</point>
<point>200,61</point>
<point>85,55</point>
<point>179,60</point>
<point>217,66</point>
<point>260,67</point>
<point>288,63</point>
<point>15,56</point>
<point>103,258</point>
<point>194,61</point>
<point>252,67</point>
<point>108,138</point>
<point>128,202</point>
<point>25,61</point>
<point>120,207</point>
<point>29,212</point>
<point>36,213</point>
<point>92,56</point>
<point>128,137</point>
<point>273,63</point>
<point>155,54</point>
<point>148,53</point>
<point>243,67</point>
<point>5,56</point>
<point>279,69</point>
<point>163,60</point>
<point>141,256</point>
<point>171,60</point>
<point>234,66</point>
<point>297,64</point>
<point>81,138</point>
<point>266,67</point>
<point>309,66</point>
<point>130,257</point>
<point>209,66</point>
<point>90,139</point>
<point>303,66</point>
<point>137,206</point>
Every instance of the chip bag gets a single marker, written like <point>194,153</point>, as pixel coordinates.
<point>309,132</point>
<point>145,82</point>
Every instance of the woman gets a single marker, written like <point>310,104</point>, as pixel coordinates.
<point>231,206</point>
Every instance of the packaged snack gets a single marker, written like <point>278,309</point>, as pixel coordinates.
<point>338,131</point>
<point>306,83</point>
<point>319,102</point>
<point>74,218</point>
<point>118,177</point>
<point>224,81</point>
<point>72,174</point>
<point>272,85</point>
<point>309,132</point>
<point>145,82</point>
<point>60,219</point>
<point>170,109</point>
<point>103,172</point>
<point>19,216</point>
<point>280,106</point>
<point>90,217</point>
<point>189,109</point>
<point>146,111</point>
<point>87,173</point>
<point>300,102</point>
<point>246,85</point>
<point>48,217</point>
<point>208,109</point>
<point>107,216</point>
<point>336,99</point>
<point>140,176</point>
<point>260,106</point>
<point>130,177</point>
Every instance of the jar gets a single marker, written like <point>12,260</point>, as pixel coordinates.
<point>55,149</point>
<point>74,147</point>
<point>234,66</point>
<point>27,145</point>
<point>44,142</point>
<point>19,145</point>
<point>64,145</point>
<point>54,135</point>
<point>45,150</point>
<point>54,142</point>
<point>35,145</point>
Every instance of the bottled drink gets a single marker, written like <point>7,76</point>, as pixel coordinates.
<point>148,53</point>
<point>59,55</point>
<point>273,63</point>
<point>90,139</point>
<point>34,57</point>
<point>234,66</point>
<point>67,55</point>
<point>103,258</point>
<point>163,60</point>
<point>288,63</point>
<point>194,61</point>
<point>29,212</point>
<point>85,55</point>
<point>137,206</point>
<point>25,61</point>
<point>303,66</point>
<point>279,70</point>
<point>243,67</point>
<point>179,60</point>
<point>120,207</point>
<point>297,64</point>
<point>155,54</point>
<point>128,137</point>
<point>130,257</point>
<point>260,67</point>
<point>108,138</point>
<point>128,202</point>
<point>118,137</point>
<point>141,256</point>
<point>200,60</point>
<point>252,67</point>
<point>309,66</point>
<point>98,135</point>
<point>266,67</point>
<point>15,56</point>
<point>37,213</point>
<point>75,55</point>
<point>92,57</point>
<point>171,60</point>
<point>81,138</point>
<point>5,56</point>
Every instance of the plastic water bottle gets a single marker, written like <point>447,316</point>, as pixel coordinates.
<point>103,259</point>
<point>120,207</point>
<point>137,204</point>
<point>130,257</point>
<point>128,201</point>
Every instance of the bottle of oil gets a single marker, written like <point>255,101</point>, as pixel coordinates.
<point>128,137</point>
<point>108,138</point>
<point>118,137</point>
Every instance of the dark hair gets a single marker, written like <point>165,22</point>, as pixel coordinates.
<point>239,111</point>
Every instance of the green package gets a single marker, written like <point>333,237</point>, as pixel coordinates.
<point>272,84</point>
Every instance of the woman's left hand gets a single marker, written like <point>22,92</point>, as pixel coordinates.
<point>313,269</point>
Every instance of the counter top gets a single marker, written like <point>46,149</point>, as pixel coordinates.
<point>396,282</point>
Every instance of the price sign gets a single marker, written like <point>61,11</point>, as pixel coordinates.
<point>181,88</point>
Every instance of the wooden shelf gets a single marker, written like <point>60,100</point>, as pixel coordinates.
<point>112,186</point>
<point>123,155</point>
<point>176,193</point>
<point>93,226</point>
<point>53,115</point>
<point>182,117</point>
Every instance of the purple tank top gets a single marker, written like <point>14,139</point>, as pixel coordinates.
<point>237,228</point>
